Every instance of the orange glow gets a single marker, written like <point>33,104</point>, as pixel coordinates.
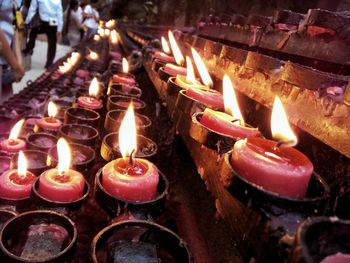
<point>52,109</point>
<point>202,69</point>
<point>230,100</point>
<point>94,88</point>
<point>64,156</point>
<point>93,55</point>
<point>107,32</point>
<point>125,65</point>
<point>127,133</point>
<point>179,58</point>
<point>22,165</point>
<point>110,23</point>
<point>165,46</point>
<point>16,130</point>
<point>97,38</point>
<point>280,127</point>
<point>114,37</point>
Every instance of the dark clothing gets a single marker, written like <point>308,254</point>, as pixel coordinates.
<point>50,32</point>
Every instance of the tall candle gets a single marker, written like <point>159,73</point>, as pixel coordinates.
<point>282,169</point>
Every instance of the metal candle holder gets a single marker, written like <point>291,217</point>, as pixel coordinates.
<point>79,133</point>
<point>112,103</point>
<point>82,116</point>
<point>32,143</point>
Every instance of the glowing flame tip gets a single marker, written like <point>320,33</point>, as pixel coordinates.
<point>64,156</point>
<point>127,133</point>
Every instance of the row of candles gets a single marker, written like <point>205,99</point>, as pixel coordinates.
<point>272,165</point>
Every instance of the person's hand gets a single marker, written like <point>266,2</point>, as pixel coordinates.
<point>58,35</point>
<point>18,72</point>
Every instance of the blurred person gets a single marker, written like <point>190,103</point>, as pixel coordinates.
<point>50,22</point>
<point>11,62</point>
<point>73,23</point>
<point>91,18</point>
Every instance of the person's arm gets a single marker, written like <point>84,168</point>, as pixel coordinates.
<point>59,18</point>
<point>10,57</point>
<point>32,11</point>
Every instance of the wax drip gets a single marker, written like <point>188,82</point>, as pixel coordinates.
<point>131,160</point>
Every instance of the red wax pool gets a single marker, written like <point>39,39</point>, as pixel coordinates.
<point>49,123</point>
<point>13,186</point>
<point>135,182</point>
<point>90,103</point>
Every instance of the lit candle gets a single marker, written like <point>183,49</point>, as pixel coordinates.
<point>204,94</point>
<point>113,38</point>
<point>164,55</point>
<point>13,144</point>
<point>170,68</point>
<point>129,178</point>
<point>97,38</point>
<point>230,123</point>
<point>93,56</point>
<point>110,23</point>
<point>17,183</point>
<point>50,123</point>
<point>91,102</point>
<point>124,78</point>
<point>189,80</point>
<point>274,166</point>
<point>62,184</point>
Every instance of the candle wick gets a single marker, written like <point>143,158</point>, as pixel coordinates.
<point>239,121</point>
<point>131,160</point>
<point>280,143</point>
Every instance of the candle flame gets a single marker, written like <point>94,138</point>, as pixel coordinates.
<point>114,37</point>
<point>97,38</point>
<point>93,55</point>
<point>280,127</point>
<point>110,23</point>
<point>21,164</point>
<point>52,109</point>
<point>190,77</point>
<point>165,46</point>
<point>64,156</point>
<point>101,32</point>
<point>107,32</point>
<point>127,133</point>
<point>16,130</point>
<point>94,88</point>
<point>175,48</point>
<point>230,100</point>
<point>125,65</point>
<point>202,69</point>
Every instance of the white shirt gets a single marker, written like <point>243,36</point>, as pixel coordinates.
<point>49,10</point>
<point>91,22</point>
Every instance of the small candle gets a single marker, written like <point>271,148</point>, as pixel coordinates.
<point>62,184</point>
<point>231,124</point>
<point>128,178</point>
<point>123,79</point>
<point>164,56</point>
<point>13,144</point>
<point>276,168</point>
<point>17,184</point>
<point>50,123</point>
<point>170,68</point>
<point>337,258</point>
<point>90,102</point>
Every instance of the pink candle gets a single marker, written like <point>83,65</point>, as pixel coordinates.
<point>90,102</point>
<point>124,80</point>
<point>284,171</point>
<point>163,57</point>
<point>135,182</point>
<point>50,123</point>
<point>14,186</point>
<point>337,258</point>
<point>174,70</point>
<point>13,144</point>
<point>61,188</point>
<point>210,98</point>
<point>222,123</point>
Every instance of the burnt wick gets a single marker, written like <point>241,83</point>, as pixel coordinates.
<point>131,160</point>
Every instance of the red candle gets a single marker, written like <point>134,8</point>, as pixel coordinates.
<point>90,102</point>
<point>163,57</point>
<point>134,180</point>
<point>174,70</point>
<point>123,80</point>
<point>223,123</point>
<point>13,144</point>
<point>50,123</point>
<point>231,123</point>
<point>337,258</point>
<point>282,170</point>
<point>62,184</point>
<point>210,98</point>
<point>17,184</point>
<point>84,74</point>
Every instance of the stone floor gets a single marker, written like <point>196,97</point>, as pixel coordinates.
<point>38,60</point>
